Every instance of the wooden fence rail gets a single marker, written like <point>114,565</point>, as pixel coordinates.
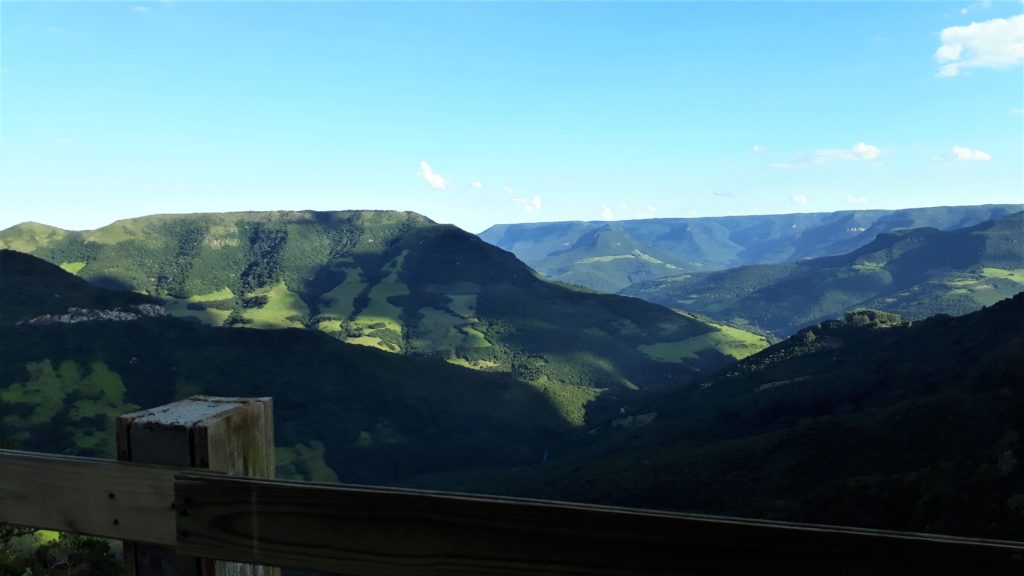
<point>372,531</point>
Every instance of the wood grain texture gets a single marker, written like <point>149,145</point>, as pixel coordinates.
<point>88,496</point>
<point>237,442</point>
<point>229,435</point>
<point>364,531</point>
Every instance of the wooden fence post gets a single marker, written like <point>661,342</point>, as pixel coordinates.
<point>230,435</point>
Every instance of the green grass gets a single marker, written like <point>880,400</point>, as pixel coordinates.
<point>371,341</point>
<point>728,340</point>
<point>474,365</point>
<point>179,309</point>
<point>339,302</point>
<point>114,233</point>
<point>304,462</point>
<point>476,338</point>
<point>599,259</point>
<point>30,236</point>
<point>570,401</point>
<point>463,304</point>
<point>438,330</point>
<point>862,266</point>
<point>92,399</point>
<point>72,267</point>
<point>222,294</point>
<point>281,304</point>
<point>1015,275</point>
<point>379,310</point>
<point>329,326</point>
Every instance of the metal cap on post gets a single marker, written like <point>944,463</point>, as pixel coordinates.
<point>230,435</point>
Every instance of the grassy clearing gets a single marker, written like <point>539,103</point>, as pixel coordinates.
<point>281,304</point>
<point>570,401</point>
<point>475,365</point>
<point>728,340</point>
<point>99,398</point>
<point>112,234</point>
<point>304,462</point>
<point>463,305</point>
<point>476,338</point>
<point>372,341</point>
<point>72,267</point>
<point>862,266</point>
<point>222,294</point>
<point>379,310</point>
<point>29,236</point>
<point>339,302</point>
<point>222,235</point>
<point>1014,275</point>
<point>329,326</point>
<point>211,316</point>
<point>438,329</point>
<point>599,259</point>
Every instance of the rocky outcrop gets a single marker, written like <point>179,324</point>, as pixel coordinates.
<point>75,315</point>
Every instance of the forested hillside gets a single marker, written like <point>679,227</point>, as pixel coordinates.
<point>341,411</point>
<point>609,256</point>
<point>401,283</point>
<point>915,273</point>
<point>866,421</point>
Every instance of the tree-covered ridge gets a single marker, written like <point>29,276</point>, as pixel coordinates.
<point>31,288</point>
<point>398,282</point>
<point>915,273</point>
<point>609,256</point>
<point>341,411</point>
<point>866,421</point>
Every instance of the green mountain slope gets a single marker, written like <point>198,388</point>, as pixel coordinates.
<point>398,282</point>
<point>341,411</point>
<point>915,273</point>
<point>609,256</point>
<point>869,421</point>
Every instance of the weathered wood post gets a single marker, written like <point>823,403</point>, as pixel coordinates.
<point>230,435</point>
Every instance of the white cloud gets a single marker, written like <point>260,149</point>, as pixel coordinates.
<point>856,199</point>
<point>477,185</point>
<point>140,9</point>
<point>866,151</point>
<point>984,4</point>
<point>432,178</point>
<point>1017,111</point>
<point>965,153</point>
<point>646,212</point>
<point>799,199</point>
<point>607,213</point>
<point>859,151</point>
<point>63,141</point>
<point>996,43</point>
<point>757,148</point>
<point>528,204</point>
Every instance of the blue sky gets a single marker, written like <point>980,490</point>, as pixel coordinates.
<point>479,113</point>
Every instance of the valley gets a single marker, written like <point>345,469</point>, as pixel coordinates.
<point>402,352</point>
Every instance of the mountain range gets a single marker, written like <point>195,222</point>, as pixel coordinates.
<point>610,256</point>
<point>916,273</point>
<point>397,282</point>
<point>404,352</point>
<point>342,411</point>
<point>867,421</point>
<point>870,420</point>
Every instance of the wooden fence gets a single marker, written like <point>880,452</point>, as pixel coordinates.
<point>370,531</point>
